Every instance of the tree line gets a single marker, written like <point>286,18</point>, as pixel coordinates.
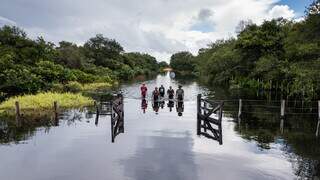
<point>278,55</point>
<point>30,66</point>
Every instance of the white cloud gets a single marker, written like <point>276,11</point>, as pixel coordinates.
<point>158,27</point>
<point>283,11</point>
<point>5,21</point>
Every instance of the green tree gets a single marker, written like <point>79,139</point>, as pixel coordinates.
<point>183,62</point>
<point>103,51</point>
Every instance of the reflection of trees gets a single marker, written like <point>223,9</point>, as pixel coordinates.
<point>299,140</point>
<point>10,132</point>
<point>185,79</point>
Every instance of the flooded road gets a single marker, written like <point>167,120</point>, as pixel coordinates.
<point>162,145</point>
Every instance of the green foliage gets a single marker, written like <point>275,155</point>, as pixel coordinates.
<point>278,55</point>
<point>103,51</point>
<point>29,66</point>
<point>182,62</point>
<point>72,87</point>
<point>163,64</point>
<point>70,55</point>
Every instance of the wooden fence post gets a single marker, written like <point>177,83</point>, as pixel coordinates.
<point>281,125</point>
<point>318,109</point>
<point>18,119</point>
<point>198,114</point>
<point>240,108</point>
<point>97,113</point>
<point>220,123</point>
<point>283,106</point>
<point>122,112</point>
<point>56,113</point>
<point>318,125</point>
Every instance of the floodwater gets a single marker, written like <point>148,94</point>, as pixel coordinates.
<point>158,144</point>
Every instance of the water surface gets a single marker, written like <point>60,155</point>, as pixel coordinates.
<point>162,145</point>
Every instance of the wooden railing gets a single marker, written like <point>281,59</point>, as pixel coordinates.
<point>114,108</point>
<point>209,118</point>
<point>117,117</point>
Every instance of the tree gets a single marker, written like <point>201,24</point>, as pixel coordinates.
<point>70,54</point>
<point>314,8</point>
<point>103,51</point>
<point>163,64</point>
<point>243,24</point>
<point>182,61</point>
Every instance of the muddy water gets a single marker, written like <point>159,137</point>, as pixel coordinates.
<point>162,145</point>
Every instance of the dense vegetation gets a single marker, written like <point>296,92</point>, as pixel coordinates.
<point>183,62</point>
<point>30,66</point>
<point>278,55</point>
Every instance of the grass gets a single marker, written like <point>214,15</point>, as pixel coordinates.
<point>44,101</point>
<point>95,86</point>
<point>74,87</point>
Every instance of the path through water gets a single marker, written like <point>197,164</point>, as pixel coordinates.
<point>159,145</point>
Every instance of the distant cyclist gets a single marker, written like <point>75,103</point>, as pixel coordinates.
<point>162,91</point>
<point>180,93</point>
<point>170,93</point>
<point>144,90</point>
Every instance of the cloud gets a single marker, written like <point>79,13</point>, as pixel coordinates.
<point>5,21</point>
<point>158,27</point>
<point>205,14</point>
<point>283,11</point>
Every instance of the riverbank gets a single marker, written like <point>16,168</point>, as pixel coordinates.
<point>44,101</point>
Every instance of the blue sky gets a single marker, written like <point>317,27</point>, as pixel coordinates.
<point>297,5</point>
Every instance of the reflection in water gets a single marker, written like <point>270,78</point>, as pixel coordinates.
<point>295,135</point>
<point>180,107</point>
<point>165,158</point>
<point>162,146</point>
<point>144,105</point>
<point>155,106</point>
<point>170,105</point>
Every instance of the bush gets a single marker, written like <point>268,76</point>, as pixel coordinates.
<point>73,87</point>
<point>57,87</point>
<point>44,101</point>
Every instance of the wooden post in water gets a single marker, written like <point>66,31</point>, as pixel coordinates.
<point>318,125</point>
<point>220,123</point>
<point>281,125</point>
<point>240,108</point>
<point>205,112</point>
<point>283,106</point>
<point>97,113</point>
<point>318,109</point>
<point>18,119</point>
<point>56,113</point>
<point>198,114</point>
<point>282,115</point>
<point>122,113</point>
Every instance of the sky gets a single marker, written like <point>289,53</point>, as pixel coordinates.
<point>157,27</point>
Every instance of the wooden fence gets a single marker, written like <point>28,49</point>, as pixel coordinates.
<point>117,117</point>
<point>209,118</point>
